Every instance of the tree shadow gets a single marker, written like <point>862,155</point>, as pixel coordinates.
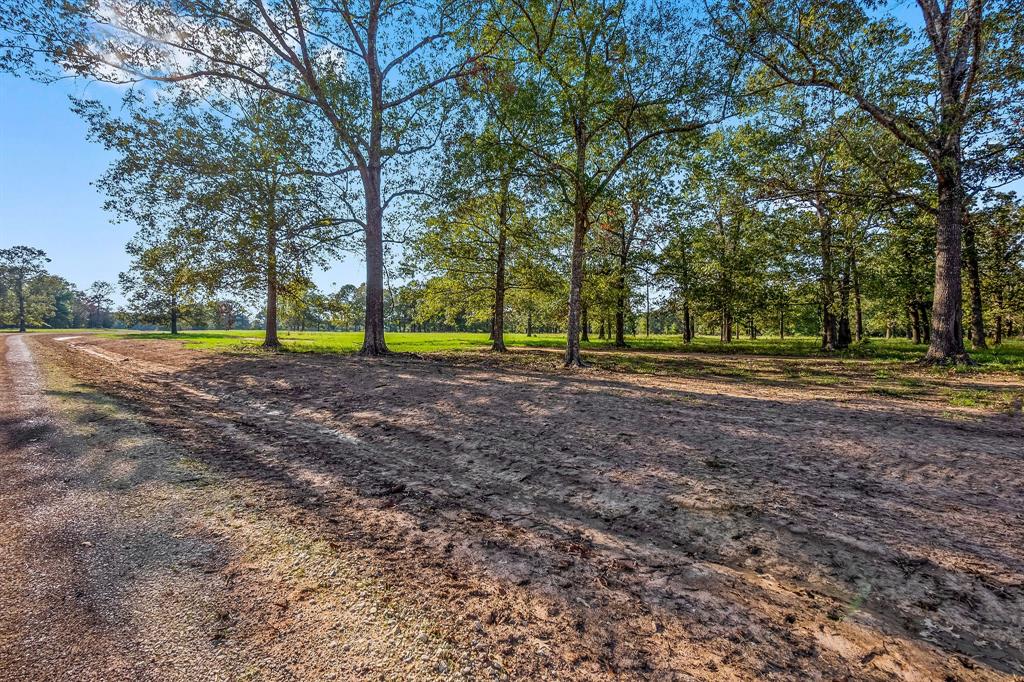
<point>723,513</point>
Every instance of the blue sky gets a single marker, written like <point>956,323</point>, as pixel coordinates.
<point>46,200</point>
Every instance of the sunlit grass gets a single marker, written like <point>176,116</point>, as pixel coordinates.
<point>47,330</point>
<point>1007,357</point>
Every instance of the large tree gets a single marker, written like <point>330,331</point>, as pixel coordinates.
<point>377,72</point>
<point>227,184</point>
<point>931,89</point>
<point>483,236</point>
<point>583,86</point>
<point>630,225</point>
<point>165,281</point>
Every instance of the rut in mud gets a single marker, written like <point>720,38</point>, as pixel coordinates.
<point>595,525</point>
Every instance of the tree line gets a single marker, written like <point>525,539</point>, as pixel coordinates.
<point>32,297</point>
<point>789,165</point>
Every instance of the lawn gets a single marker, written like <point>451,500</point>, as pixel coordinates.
<point>1007,357</point>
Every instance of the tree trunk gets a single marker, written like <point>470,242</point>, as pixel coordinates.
<point>584,322</point>
<point>843,332</point>
<point>600,329</point>
<point>782,321</point>
<point>857,307</point>
<point>647,322</point>
<point>498,328</point>
<point>620,298</point>
<point>946,344</point>
<point>529,323</point>
<point>828,319</point>
<point>828,329</point>
<point>925,327</point>
<point>999,317</point>
<point>21,302</point>
<point>174,318</point>
<point>373,328</point>
<point>270,339</point>
<point>915,322</point>
<point>974,281</point>
<point>579,233</point>
<point>687,329</point>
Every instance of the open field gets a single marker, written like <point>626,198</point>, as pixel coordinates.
<point>1007,357</point>
<point>195,515</point>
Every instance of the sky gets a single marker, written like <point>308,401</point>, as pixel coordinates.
<point>46,199</point>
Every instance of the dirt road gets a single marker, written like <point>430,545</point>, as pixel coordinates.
<point>178,514</point>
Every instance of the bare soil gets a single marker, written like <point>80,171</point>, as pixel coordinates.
<point>175,514</point>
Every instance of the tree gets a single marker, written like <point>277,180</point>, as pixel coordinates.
<point>226,185</point>
<point>99,301</point>
<point>629,223</point>
<point>164,283</point>
<point>58,301</point>
<point>377,72</point>
<point>19,266</point>
<point>931,93</point>
<point>1001,249</point>
<point>582,87</point>
<point>721,248</point>
<point>802,152</point>
<point>345,307</point>
<point>480,240</point>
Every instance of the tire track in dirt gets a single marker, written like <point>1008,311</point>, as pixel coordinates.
<point>125,559</point>
<point>274,416</point>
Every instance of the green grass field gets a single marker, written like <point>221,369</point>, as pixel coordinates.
<point>47,330</point>
<point>1007,357</point>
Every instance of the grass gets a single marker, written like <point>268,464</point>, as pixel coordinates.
<point>47,330</point>
<point>1007,357</point>
<point>1004,401</point>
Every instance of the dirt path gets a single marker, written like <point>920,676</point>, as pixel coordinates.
<point>125,558</point>
<point>474,522</point>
